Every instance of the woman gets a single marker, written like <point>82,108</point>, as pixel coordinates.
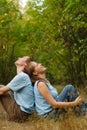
<point>47,100</point>
<point>19,103</point>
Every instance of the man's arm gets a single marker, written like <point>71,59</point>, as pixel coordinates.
<point>3,89</point>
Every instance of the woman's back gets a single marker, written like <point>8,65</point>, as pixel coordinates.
<point>42,106</point>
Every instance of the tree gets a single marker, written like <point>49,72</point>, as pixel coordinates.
<point>9,15</point>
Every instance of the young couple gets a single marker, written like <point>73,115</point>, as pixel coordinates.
<point>19,97</point>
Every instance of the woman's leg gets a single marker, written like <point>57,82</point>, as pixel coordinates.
<point>69,93</point>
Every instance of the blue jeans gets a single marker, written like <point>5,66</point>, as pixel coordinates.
<point>69,93</point>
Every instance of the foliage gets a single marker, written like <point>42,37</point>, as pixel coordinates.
<point>8,20</point>
<point>51,32</point>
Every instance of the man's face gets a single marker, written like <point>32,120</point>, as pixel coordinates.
<point>21,61</point>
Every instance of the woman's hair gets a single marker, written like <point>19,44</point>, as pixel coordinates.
<point>28,61</point>
<point>30,70</point>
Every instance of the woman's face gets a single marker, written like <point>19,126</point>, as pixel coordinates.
<point>38,68</point>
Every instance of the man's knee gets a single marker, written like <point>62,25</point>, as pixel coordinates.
<point>1,85</point>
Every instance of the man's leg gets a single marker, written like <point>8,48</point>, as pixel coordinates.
<point>12,109</point>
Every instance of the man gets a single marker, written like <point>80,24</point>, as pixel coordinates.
<point>17,96</point>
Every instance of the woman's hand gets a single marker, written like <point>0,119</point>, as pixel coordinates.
<point>78,101</point>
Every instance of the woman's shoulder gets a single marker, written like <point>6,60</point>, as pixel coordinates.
<point>41,83</point>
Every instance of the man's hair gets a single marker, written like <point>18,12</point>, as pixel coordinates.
<point>28,59</point>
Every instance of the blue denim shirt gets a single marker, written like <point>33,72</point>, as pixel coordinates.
<point>23,92</point>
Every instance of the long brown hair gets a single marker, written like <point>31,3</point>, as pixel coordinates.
<point>28,60</point>
<point>30,71</point>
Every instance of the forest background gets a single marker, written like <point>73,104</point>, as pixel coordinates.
<point>52,32</point>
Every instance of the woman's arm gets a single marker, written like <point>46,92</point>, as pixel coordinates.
<point>46,94</point>
<point>3,89</point>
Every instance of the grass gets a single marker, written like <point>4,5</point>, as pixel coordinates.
<point>68,122</point>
